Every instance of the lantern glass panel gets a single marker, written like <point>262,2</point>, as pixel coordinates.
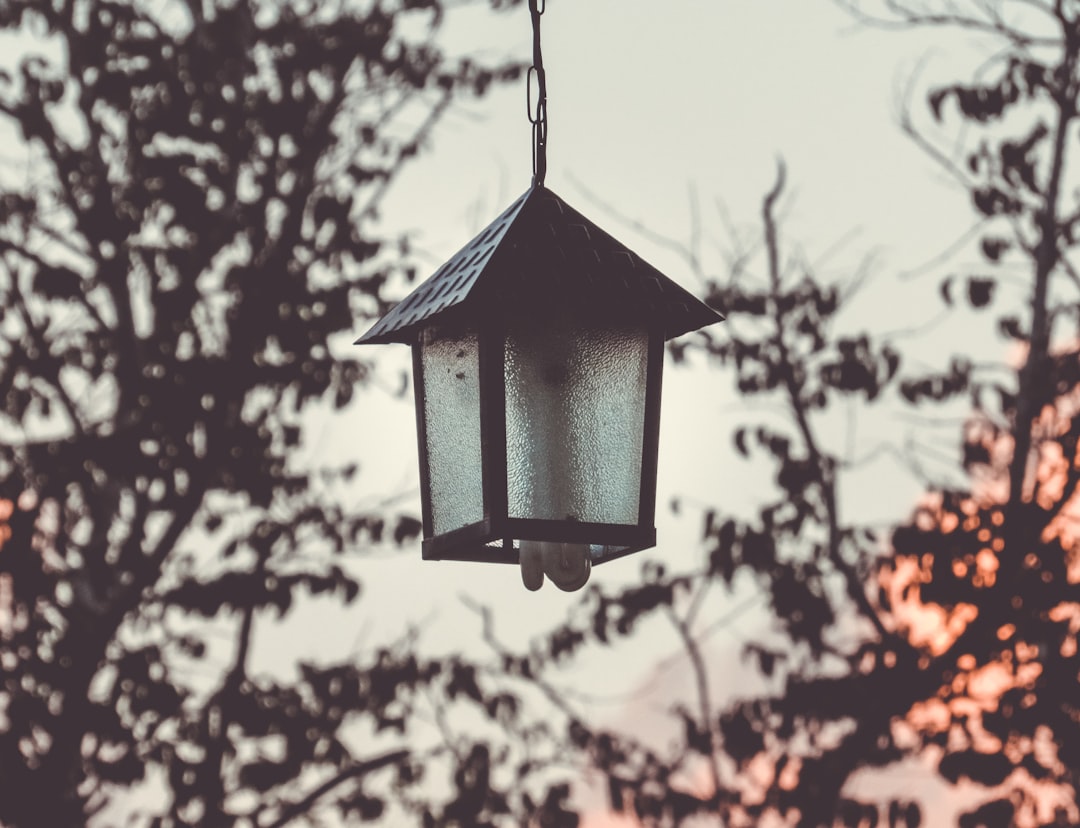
<point>575,415</point>
<point>450,364</point>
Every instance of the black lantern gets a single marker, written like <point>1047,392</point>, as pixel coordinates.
<point>537,358</point>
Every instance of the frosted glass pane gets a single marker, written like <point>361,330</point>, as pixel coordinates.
<point>451,369</point>
<point>575,415</point>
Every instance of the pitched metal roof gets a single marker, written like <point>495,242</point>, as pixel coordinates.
<point>543,249</point>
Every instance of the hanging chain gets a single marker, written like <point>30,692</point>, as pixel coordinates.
<point>537,113</point>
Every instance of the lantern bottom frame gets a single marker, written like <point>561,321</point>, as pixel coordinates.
<point>486,542</point>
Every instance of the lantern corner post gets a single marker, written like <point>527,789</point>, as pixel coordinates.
<point>421,440</point>
<point>650,448</point>
<point>491,334</point>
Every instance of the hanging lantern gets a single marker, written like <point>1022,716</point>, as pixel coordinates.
<point>537,359</point>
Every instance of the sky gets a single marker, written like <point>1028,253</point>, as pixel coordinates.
<point>673,116</point>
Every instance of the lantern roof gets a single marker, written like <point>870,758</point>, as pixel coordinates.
<point>542,250</point>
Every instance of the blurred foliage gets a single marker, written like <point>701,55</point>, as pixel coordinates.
<point>188,233</point>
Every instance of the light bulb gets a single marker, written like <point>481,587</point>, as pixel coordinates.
<point>567,564</point>
<point>532,565</point>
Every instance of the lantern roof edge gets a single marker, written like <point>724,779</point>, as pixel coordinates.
<point>540,230</point>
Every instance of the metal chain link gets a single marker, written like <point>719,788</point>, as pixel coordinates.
<point>537,114</point>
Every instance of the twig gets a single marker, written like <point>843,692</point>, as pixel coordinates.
<point>302,806</point>
<point>42,346</point>
<point>944,254</point>
<point>701,679</point>
<point>798,409</point>
<point>548,689</point>
<point>907,19</point>
<point>684,251</point>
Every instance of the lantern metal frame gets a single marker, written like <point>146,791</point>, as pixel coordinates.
<point>540,256</point>
<point>477,541</point>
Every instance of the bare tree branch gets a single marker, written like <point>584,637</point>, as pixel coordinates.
<point>354,771</point>
<point>798,410</point>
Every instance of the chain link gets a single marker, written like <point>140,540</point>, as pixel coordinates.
<point>537,113</point>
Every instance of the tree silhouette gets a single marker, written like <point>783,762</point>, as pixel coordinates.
<point>951,637</point>
<point>186,234</point>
